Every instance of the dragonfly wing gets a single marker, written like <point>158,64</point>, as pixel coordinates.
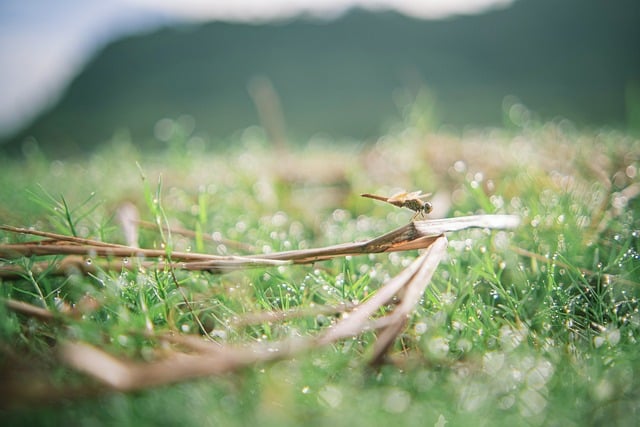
<point>414,195</point>
<point>402,196</point>
<point>423,196</point>
<point>399,197</point>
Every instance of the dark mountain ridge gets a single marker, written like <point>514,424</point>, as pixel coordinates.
<point>570,58</point>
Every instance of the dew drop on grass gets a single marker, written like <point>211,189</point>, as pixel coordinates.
<point>506,402</point>
<point>420,328</point>
<point>330,396</point>
<point>460,166</point>
<point>512,337</point>
<point>497,201</point>
<point>619,201</point>
<point>603,390</point>
<point>473,396</point>
<point>613,336</point>
<point>397,401</point>
<point>539,375</point>
<point>598,341</point>
<point>340,215</point>
<point>438,347</point>
<point>531,403</point>
<point>492,362</point>
<point>279,219</point>
<point>464,345</point>
<point>442,421</point>
<point>424,380</point>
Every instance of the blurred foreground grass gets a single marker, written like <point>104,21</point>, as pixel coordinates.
<point>534,326</point>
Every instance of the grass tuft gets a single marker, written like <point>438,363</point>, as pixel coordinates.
<point>537,324</point>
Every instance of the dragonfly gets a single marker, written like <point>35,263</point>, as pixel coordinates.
<point>403,199</point>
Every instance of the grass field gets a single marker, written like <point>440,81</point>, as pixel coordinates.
<point>537,325</point>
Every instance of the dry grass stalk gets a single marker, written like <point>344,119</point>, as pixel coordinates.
<point>205,358</point>
<point>208,359</point>
<point>414,235</point>
<point>30,310</point>
<point>412,292</point>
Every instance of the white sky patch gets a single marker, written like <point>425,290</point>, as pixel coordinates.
<point>43,44</point>
<point>31,74</point>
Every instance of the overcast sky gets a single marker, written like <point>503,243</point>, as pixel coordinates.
<point>44,43</point>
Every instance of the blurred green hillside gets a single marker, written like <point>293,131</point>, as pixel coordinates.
<point>574,58</point>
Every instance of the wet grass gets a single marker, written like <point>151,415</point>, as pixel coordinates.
<point>536,326</point>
